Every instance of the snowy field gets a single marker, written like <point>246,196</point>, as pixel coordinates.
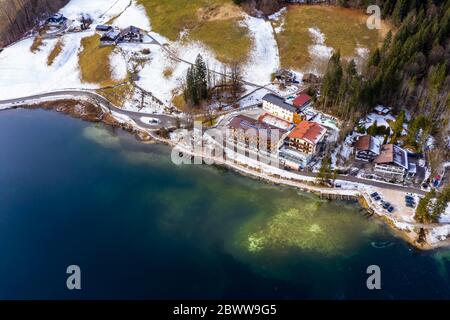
<point>25,73</point>
<point>100,11</point>
<point>264,59</point>
<point>382,121</point>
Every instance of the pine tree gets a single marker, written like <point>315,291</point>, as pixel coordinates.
<point>400,10</point>
<point>373,129</point>
<point>196,89</point>
<point>201,78</point>
<point>331,80</point>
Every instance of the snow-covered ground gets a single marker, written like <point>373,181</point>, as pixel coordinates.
<point>264,59</point>
<point>134,15</point>
<point>438,234</point>
<point>144,104</point>
<point>118,66</point>
<point>445,217</point>
<point>152,76</point>
<point>253,98</point>
<point>382,121</point>
<point>100,11</point>
<point>319,49</point>
<point>25,73</point>
<point>280,18</point>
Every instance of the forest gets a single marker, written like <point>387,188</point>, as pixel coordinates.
<point>410,71</point>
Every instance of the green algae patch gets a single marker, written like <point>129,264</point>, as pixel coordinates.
<point>329,230</point>
<point>102,137</point>
<point>442,259</point>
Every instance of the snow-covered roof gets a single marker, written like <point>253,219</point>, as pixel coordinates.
<point>368,143</point>
<point>391,153</point>
<point>382,109</point>
<point>412,168</point>
<point>279,101</point>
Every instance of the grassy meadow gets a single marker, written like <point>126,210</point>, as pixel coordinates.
<point>94,62</point>
<point>57,49</point>
<point>215,23</point>
<point>344,29</point>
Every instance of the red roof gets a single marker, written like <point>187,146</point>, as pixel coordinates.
<point>301,100</point>
<point>309,131</point>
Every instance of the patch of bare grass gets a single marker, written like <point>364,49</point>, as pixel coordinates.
<point>57,49</point>
<point>344,30</point>
<point>38,42</point>
<point>95,63</point>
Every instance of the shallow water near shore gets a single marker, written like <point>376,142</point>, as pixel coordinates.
<point>73,192</point>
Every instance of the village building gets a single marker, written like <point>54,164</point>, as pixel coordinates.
<point>110,38</point>
<point>131,34</point>
<point>103,28</point>
<point>278,107</point>
<point>391,163</point>
<point>366,148</point>
<point>382,110</point>
<point>285,76</point>
<point>251,133</point>
<point>311,78</point>
<point>56,20</point>
<point>303,143</point>
<point>275,121</point>
<point>302,101</point>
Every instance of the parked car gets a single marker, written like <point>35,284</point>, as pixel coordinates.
<point>386,205</point>
<point>377,198</point>
<point>410,205</point>
<point>390,209</point>
<point>374,195</point>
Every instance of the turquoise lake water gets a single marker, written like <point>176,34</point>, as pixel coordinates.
<point>138,226</point>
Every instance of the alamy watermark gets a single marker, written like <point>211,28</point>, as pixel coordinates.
<point>374,280</point>
<point>73,281</point>
<point>249,143</point>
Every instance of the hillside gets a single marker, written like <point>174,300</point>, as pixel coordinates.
<point>18,16</point>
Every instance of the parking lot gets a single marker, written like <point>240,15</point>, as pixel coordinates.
<point>396,199</point>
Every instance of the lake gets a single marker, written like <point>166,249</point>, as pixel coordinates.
<point>138,226</point>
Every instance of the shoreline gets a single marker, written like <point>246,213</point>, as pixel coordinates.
<point>88,111</point>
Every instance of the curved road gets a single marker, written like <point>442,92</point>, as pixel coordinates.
<point>166,121</point>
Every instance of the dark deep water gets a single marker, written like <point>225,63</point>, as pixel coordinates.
<point>72,192</point>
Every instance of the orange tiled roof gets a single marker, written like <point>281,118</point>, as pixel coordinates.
<point>309,131</point>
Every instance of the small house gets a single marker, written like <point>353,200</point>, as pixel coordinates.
<point>311,78</point>
<point>366,148</point>
<point>302,101</point>
<point>382,110</point>
<point>131,34</point>
<point>110,37</point>
<point>285,76</point>
<point>392,162</point>
<point>56,20</point>
<point>278,107</point>
<point>103,28</point>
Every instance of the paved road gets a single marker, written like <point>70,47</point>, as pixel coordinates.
<point>169,121</point>
<point>163,120</point>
